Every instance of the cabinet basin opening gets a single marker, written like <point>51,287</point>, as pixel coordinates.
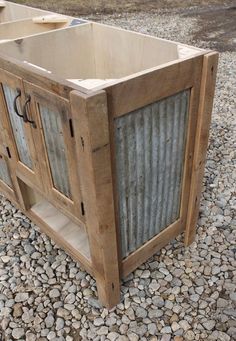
<point>92,54</point>
<point>10,11</point>
<point>58,226</point>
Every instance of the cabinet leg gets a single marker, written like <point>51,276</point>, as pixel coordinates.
<point>210,62</point>
<point>108,292</point>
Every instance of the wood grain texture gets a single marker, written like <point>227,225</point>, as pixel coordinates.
<point>152,86</point>
<point>93,151</point>
<point>73,234</point>
<point>208,80</point>
<point>56,148</point>
<point>139,256</point>
<point>13,82</point>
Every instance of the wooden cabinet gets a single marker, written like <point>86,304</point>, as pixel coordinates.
<point>103,142</point>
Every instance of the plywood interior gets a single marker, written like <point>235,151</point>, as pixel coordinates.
<point>10,11</point>
<point>93,52</point>
<point>22,28</point>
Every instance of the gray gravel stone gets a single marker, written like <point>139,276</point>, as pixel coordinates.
<point>21,297</point>
<point>18,333</point>
<point>54,293</point>
<point>59,323</point>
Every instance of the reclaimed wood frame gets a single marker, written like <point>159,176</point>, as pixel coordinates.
<point>93,113</point>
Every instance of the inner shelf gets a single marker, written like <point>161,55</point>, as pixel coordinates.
<point>65,228</point>
<point>68,234</point>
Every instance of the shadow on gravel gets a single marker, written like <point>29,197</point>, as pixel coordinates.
<point>217,25</point>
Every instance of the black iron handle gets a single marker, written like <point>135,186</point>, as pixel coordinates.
<point>25,116</point>
<point>15,103</point>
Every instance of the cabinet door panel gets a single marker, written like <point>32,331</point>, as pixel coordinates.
<point>56,149</point>
<point>17,125</point>
<point>18,134</point>
<point>54,140</point>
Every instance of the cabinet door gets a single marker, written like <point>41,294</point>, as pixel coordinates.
<point>54,140</point>
<point>17,132</point>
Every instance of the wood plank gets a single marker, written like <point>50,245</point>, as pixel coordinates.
<point>210,63</point>
<point>93,152</point>
<point>140,256</point>
<point>73,234</point>
<point>51,18</point>
<point>152,86</point>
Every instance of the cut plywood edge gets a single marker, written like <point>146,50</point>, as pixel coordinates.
<point>2,41</point>
<point>185,51</point>
<point>91,83</point>
<point>51,18</point>
<point>73,234</point>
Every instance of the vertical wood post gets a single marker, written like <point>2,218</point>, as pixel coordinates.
<point>91,129</point>
<point>208,81</point>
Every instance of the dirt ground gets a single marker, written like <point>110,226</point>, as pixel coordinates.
<point>217,18</point>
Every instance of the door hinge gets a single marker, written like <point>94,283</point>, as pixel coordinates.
<point>8,152</point>
<point>71,127</point>
<point>82,208</point>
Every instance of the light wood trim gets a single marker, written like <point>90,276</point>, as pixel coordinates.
<point>151,87</point>
<point>147,250</point>
<point>210,63</point>
<point>50,18</point>
<point>93,151</point>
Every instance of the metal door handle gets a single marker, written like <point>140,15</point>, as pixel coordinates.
<point>15,103</point>
<point>25,116</point>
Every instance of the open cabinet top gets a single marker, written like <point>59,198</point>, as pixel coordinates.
<point>82,54</point>
<point>94,55</point>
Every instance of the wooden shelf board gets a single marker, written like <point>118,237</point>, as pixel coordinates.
<point>69,233</point>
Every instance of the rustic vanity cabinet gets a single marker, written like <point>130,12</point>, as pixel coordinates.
<point>103,140</point>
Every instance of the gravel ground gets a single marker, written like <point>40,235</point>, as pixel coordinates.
<point>179,294</point>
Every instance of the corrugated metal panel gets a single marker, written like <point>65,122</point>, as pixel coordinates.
<point>17,127</point>
<point>150,145</point>
<point>55,144</point>
<point>4,172</point>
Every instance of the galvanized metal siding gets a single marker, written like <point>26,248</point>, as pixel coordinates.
<point>56,149</point>
<point>150,145</point>
<point>17,127</point>
<point>4,172</point>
